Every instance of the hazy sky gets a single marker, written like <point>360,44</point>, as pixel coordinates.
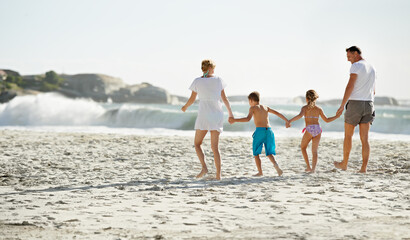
<point>279,48</point>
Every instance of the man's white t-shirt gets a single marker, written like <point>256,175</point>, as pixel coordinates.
<point>364,87</point>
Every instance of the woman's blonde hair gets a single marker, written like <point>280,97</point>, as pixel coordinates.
<point>311,96</point>
<point>206,64</point>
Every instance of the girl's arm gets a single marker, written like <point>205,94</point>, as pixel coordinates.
<point>326,119</point>
<point>299,116</point>
<point>245,119</point>
<point>278,114</point>
<point>190,101</point>
<point>226,102</point>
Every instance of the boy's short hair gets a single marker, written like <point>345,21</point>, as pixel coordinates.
<point>254,96</point>
<point>353,49</point>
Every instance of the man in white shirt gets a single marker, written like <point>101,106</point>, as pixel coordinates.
<point>358,98</point>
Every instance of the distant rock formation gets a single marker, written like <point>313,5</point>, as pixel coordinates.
<point>6,96</point>
<point>95,86</point>
<point>104,88</point>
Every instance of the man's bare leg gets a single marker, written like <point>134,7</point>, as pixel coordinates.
<point>215,150</point>
<point>303,146</point>
<point>364,137</point>
<point>275,165</point>
<point>315,146</point>
<point>199,137</point>
<point>347,147</point>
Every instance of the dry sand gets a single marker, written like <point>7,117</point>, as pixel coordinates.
<point>108,186</point>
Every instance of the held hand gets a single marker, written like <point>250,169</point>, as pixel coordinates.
<point>231,120</point>
<point>338,114</point>
<point>184,108</point>
<point>288,125</point>
<point>340,111</point>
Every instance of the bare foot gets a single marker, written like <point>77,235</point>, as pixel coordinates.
<point>308,170</point>
<point>362,171</point>
<point>339,165</point>
<point>218,177</point>
<point>280,172</point>
<point>258,174</point>
<point>202,173</point>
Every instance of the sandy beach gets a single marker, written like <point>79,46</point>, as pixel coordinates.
<point>111,186</point>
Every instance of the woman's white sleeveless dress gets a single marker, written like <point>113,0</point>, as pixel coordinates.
<point>210,114</point>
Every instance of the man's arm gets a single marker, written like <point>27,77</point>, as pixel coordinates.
<point>190,101</point>
<point>245,119</point>
<point>348,92</point>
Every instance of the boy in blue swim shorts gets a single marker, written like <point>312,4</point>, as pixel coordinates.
<point>263,134</point>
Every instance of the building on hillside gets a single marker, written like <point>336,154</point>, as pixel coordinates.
<point>3,75</point>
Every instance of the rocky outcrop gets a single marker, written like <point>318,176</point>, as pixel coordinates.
<point>387,101</point>
<point>95,86</point>
<point>104,88</point>
<point>8,95</point>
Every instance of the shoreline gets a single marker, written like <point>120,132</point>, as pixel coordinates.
<point>280,133</point>
<point>104,186</point>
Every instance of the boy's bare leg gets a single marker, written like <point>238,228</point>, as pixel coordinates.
<point>215,150</point>
<point>364,137</point>
<point>347,147</point>
<point>258,165</point>
<point>303,146</point>
<point>315,146</point>
<point>275,165</point>
<point>199,137</point>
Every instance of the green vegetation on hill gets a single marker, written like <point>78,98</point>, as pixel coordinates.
<point>50,82</point>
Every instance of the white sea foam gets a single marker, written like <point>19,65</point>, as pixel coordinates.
<point>53,112</point>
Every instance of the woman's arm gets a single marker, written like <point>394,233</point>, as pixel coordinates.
<point>190,101</point>
<point>326,119</point>
<point>299,116</point>
<point>226,102</point>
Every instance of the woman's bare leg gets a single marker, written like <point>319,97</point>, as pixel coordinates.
<point>199,137</point>
<point>215,150</point>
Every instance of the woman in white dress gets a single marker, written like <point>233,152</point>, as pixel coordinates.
<point>210,90</point>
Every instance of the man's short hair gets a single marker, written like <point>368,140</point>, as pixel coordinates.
<point>254,96</point>
<point>354,49</point>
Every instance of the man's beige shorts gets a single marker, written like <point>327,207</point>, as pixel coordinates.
<point>359,112</point>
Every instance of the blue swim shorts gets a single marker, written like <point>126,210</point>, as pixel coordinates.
<point>263,136</point>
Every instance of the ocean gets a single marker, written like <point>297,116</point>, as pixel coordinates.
<point>56,113</point>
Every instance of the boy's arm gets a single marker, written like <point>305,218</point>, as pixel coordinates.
<point>278,114</point>
<point>227,104</point>
<point>245,119</point>
<point>190,101</point>
<point>299,116</point>
<point>326,119</point>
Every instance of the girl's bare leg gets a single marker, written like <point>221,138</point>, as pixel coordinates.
<point>199,137</point>
<point>315,146</point>
<point>258,165</point>
<point>215,150</point>
<point>303,146</point>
